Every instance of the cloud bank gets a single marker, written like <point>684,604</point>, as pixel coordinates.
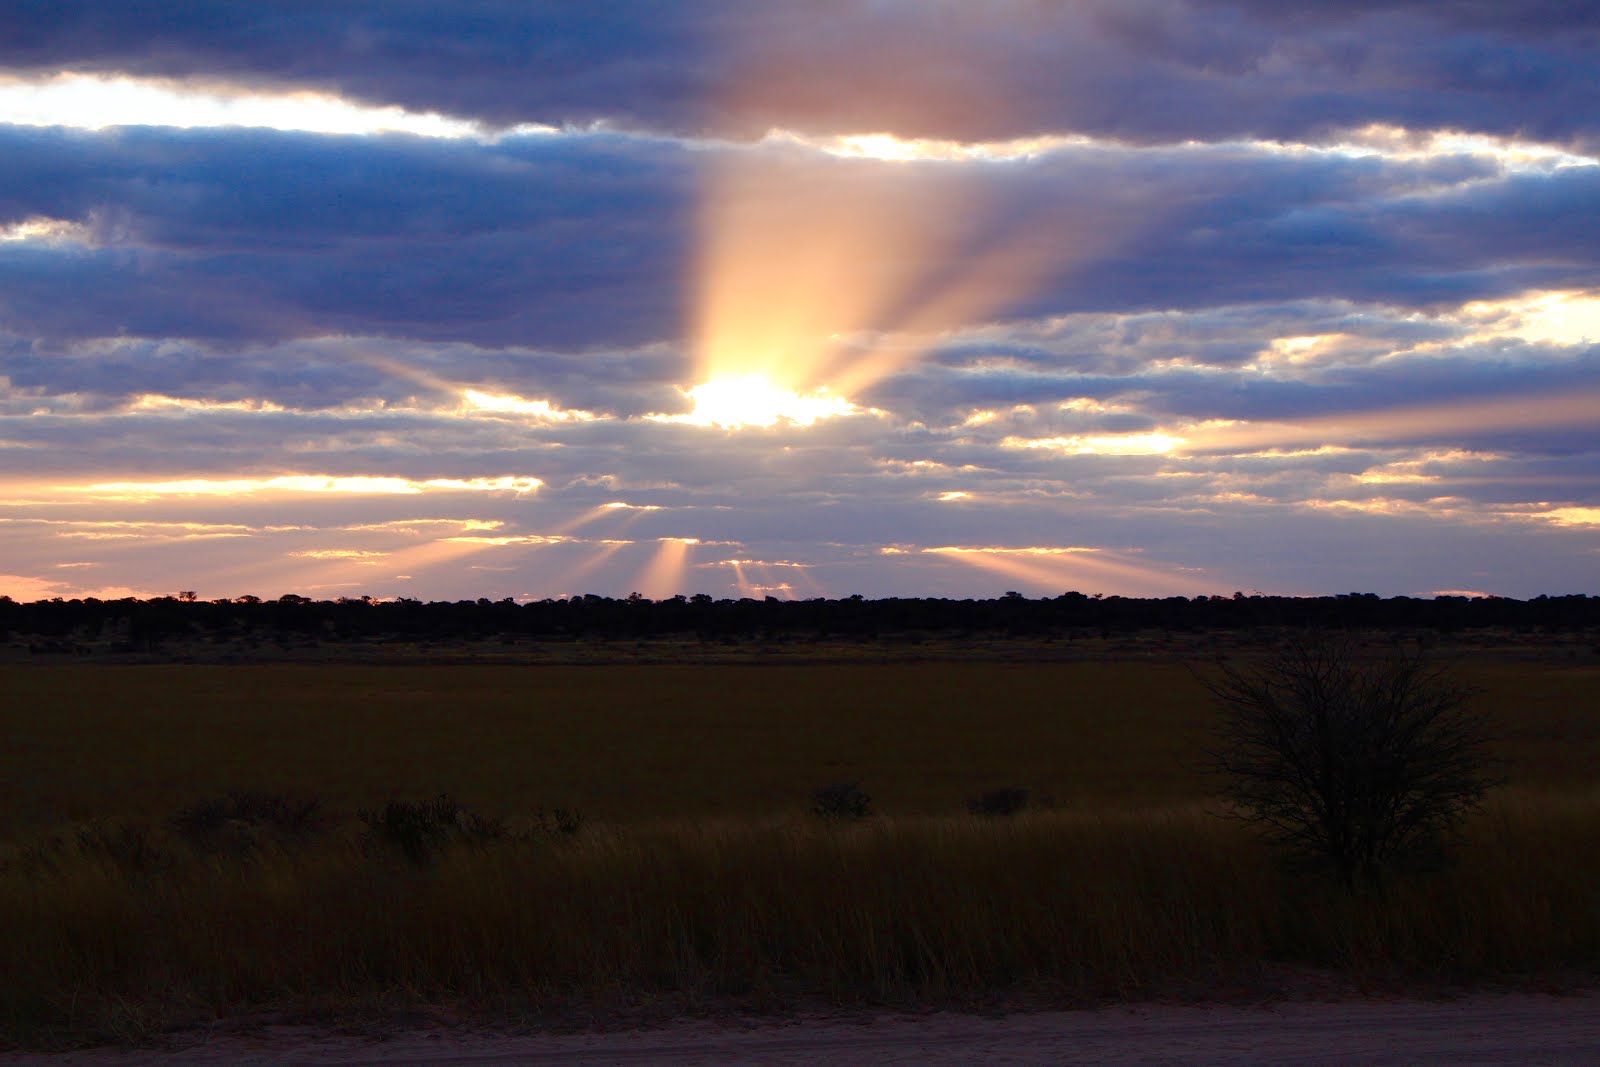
<point>1152,297</point>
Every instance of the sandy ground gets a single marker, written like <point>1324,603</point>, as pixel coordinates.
<point>1481,1029</point>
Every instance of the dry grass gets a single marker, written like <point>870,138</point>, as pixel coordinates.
<point>97,944</point>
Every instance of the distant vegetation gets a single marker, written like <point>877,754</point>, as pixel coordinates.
<point>143,627</point>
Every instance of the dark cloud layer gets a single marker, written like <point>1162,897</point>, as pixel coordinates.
<point>575,241</point>
<point>248,234</point>
<point>1145,70</point>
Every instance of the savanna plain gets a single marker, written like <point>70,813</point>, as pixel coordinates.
<point>548,843</point>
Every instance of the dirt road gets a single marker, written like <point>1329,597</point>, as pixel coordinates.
<point>1498,1029</point>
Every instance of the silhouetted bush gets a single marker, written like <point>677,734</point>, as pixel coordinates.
<point>559,822</point>
<point>1005,801</point>
<point>237,821</point>
<point>1361,766</point>
<point>421,830</point>
<point>842,800</point>
<point>127,845</point>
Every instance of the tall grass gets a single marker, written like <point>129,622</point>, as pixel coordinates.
<point>121,932</point>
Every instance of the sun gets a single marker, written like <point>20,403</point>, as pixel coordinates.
<point>753,400</point>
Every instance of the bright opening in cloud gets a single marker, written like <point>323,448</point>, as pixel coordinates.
<point>1400,143</point>
<point>735,403</point>
<point>97,101</point>
<point>1563,317</point>
<point>45,230</point>
<point>890,148</point>
<point>509,404</point>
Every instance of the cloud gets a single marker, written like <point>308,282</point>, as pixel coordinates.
<point>274,235</point>
<point>585,242</point>
<point>1144,70</point>
<point>1230,297</point>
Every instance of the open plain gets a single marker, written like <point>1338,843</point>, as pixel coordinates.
<point>638,833</point>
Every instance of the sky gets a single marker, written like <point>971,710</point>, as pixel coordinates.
<point>878,297</point>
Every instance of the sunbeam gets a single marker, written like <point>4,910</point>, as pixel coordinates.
<point>663,575</point>
<point>1058,569</point>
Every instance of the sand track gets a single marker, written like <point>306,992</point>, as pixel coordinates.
<point>1480,1029</point>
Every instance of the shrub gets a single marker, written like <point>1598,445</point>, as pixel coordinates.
<point>234,822</point>
<point>129,846</point>
<point>420,830</point>
<point>842,800</point>
<point>1004,801</point>
<point>1360,766</point>
<point>559,822</point>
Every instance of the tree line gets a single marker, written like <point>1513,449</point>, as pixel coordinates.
<point>143,624</point>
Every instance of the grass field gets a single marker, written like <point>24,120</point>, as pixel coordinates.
<point>696,873</point>
<point>635,742</point>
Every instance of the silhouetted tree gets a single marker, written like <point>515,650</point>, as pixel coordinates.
<point>1364,765</point>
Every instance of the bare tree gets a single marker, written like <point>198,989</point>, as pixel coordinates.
<point>1360,764</point>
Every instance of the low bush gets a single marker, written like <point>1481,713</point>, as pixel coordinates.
<point>1004,801</point>
<point>421,830</point>
<point>842,800</point>
<point>130,846</point>
<point>238,821</point>
<point>558,822</point>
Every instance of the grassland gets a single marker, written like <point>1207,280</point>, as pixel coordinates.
<point>696,873</point>
<point>631,742</point>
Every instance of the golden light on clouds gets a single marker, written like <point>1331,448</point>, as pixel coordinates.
<point>1574,516</point>
<point>160,403</point>
<point>510,404</point>
<point>1125,444</point>
<point>362,555</point>
<point>129,530</point>
<point>1401,143</point>
<point>24,588</point>
<point>1561,316</point>
<point>302,483</point>
<point>1542,411</point>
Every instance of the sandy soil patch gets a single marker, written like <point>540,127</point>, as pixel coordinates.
<point>1480,1029</point>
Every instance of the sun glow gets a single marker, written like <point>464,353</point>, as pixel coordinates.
<point>753,400</point>
<point>835,265</point>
